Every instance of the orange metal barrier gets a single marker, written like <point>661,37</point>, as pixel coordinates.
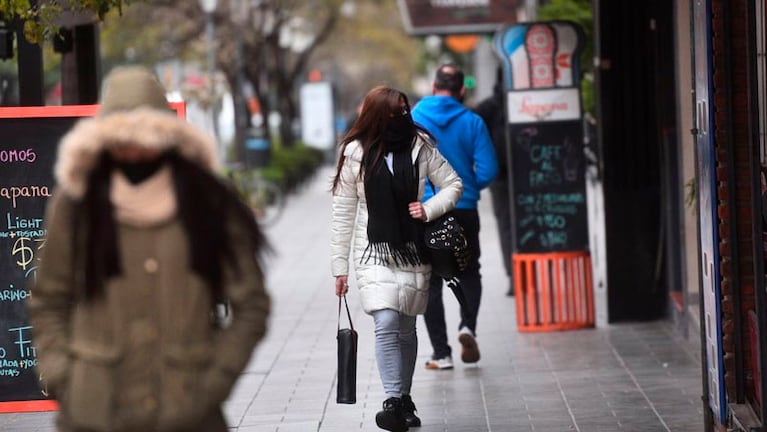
<point>553,291</point>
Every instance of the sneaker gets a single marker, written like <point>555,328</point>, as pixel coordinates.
<point>439,364</point>
<point>469,348</point>
<point>392,417</point>
<point>409,409</point>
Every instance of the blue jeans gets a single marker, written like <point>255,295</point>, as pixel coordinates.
<point>396,350</point>
<point>471,285</point>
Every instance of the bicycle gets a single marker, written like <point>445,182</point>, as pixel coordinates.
<point>264,197</point>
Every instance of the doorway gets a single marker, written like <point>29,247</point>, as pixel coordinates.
<point>637,120</point>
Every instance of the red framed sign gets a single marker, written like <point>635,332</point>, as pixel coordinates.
<point>29,138</point>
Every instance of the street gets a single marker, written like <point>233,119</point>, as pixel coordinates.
<point>623,377</point>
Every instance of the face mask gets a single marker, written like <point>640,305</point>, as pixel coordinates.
<point>137,172</point>
<point>400,131</point>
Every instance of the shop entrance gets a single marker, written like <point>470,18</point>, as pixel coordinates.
<point>638,138</point>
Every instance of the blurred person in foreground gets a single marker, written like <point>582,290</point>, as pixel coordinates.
<point>377,210</point>
<point>463,140</point>
<point>491,109</point>
<point>143,244</point>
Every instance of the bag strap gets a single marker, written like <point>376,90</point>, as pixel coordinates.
<point>455,285</point>
<point>349,315</point>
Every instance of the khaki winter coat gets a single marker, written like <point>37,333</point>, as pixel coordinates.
<point>144,356</point>
<point>401,288</point>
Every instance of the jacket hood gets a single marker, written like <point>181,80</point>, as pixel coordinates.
<point>148,128</point>
<point>440,110</point>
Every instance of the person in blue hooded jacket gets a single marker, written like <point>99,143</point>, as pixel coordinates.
<point>463,139</point>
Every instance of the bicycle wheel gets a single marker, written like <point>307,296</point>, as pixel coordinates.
<point>266,199</point>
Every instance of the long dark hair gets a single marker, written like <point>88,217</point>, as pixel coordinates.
<point>380,105</point>
<point>204,203</point>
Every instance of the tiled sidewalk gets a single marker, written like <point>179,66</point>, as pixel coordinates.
<point>627,377</point>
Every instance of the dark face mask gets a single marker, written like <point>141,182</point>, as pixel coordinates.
<point>137,172</point>
<point>400,132</point>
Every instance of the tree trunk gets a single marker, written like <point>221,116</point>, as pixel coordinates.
<point>282,81</point>
<point>287,110</point>
<point>241,117</point>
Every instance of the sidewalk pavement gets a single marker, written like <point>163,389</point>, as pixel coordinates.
<point>633,377</point>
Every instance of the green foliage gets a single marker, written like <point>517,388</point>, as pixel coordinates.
<point>292,165</point>
<point>579,12</point>
<point>134,37</point>
<point>288,166</point>
<point>40,21</point>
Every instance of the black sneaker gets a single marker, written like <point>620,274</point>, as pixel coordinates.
<point>392,418</point>
<point>409,409</point>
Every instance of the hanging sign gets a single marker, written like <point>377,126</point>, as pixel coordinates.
<point>426,17</point>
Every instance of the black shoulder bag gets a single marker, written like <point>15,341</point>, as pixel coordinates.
<point>446,245</point>
<point>448,252</point>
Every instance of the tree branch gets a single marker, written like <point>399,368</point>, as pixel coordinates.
<point>303,57</point>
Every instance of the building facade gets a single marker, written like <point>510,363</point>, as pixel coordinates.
<point>712,152</point>
<point>729,126</point>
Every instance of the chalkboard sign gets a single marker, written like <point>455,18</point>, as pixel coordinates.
<point>29,138</point>
<point>541,76</point>
<point>28,143</point>
<point>549,191</point>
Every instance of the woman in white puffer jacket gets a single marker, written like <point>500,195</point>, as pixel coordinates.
<point>384,163</point>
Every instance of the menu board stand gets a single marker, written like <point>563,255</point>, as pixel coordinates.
<point>545,143</point>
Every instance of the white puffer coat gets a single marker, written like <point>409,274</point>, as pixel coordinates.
<point>401,288</point>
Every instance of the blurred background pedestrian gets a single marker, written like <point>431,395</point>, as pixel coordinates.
<point>463,140</point>
<point>492,111</point>
<point>143,243</point>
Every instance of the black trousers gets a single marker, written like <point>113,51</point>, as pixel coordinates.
<point>471,285</point>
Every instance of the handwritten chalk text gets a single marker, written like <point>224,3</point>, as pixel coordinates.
<point>14,192</point>
<point>14,155</point>
<point>24,342</point>
<point>14,295</point>
<point>16,222</point>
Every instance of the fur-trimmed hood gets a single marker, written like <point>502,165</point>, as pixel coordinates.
<point>80,149</point>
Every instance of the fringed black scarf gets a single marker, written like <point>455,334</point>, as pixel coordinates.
<point>392,232</point>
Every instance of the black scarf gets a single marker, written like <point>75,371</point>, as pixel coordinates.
<point>392,232</point>
<point>138,171</point>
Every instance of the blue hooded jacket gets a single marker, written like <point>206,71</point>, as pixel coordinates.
<point>463,140</point>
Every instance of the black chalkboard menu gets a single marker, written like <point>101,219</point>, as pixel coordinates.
<point>28,143</point>
<point>549,190</point>
<point>541,76</point>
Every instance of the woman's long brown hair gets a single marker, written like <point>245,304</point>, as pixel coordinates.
<point>379,106</point>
